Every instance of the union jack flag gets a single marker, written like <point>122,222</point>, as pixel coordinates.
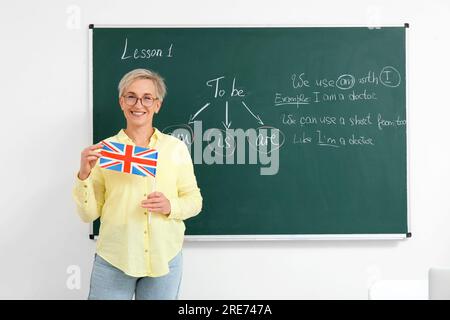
<point>128,158</point>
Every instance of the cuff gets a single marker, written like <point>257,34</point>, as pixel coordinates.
<point>175,211</point>
<point>82,188</point>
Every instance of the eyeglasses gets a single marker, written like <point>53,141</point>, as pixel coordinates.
<point>146,101</point>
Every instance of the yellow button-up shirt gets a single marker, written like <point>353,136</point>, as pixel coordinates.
<point>130,238</point>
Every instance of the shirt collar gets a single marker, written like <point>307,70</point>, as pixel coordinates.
<point>124,138</point>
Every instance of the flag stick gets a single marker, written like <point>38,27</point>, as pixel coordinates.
<point>153,190</point>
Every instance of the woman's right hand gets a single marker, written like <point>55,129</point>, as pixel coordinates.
<point>89,157</point>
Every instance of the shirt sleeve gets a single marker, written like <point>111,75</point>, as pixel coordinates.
<point>188,203</point>
<point>89,195</point>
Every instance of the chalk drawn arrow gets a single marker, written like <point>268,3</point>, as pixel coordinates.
<point>226,124</point>
<point>191,118</point>
<point>254,116</point>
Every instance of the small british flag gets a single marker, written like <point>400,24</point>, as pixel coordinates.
<point>128,158</point>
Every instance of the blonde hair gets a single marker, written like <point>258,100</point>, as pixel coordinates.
<point>137,74</point>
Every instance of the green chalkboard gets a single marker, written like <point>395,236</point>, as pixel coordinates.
<point>294,131</point>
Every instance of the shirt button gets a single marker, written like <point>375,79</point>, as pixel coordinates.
<point>146,250</point>
<point>145,194</point>
<point>85,201</point>
<point>85,186</point>
<point>145,212</point>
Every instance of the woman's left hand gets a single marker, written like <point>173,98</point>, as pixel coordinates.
<point>157,202</point>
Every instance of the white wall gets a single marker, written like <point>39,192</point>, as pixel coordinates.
<point>44,115</point>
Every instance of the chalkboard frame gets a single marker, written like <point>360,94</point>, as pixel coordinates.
<point>93,235</point>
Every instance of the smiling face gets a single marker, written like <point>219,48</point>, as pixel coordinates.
<point>140,115</point>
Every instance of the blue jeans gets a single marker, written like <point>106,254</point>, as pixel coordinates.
<point>111,283</point>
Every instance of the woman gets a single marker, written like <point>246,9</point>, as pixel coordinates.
<point>141,234</point>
